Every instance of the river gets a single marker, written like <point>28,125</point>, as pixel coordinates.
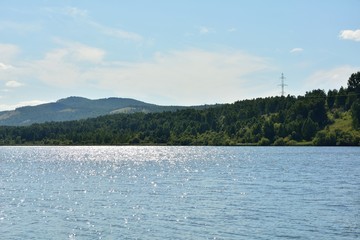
<point>150,192</point>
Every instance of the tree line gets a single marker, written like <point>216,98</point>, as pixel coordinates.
<point>290,120</point>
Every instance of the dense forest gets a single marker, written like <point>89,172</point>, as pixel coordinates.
<point>317,118</point>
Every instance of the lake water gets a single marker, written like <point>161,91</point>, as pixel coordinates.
<point>179,193</point>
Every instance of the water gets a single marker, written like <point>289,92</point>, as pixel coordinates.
<point>179,193</point>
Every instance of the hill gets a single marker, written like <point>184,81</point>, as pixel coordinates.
<point>303,120</point>
<point>76,108</point>
<point>317,118</point>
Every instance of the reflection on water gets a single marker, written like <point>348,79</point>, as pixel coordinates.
<point>179,193</point>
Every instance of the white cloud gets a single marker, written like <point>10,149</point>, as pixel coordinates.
<point>116,32</point>
<point>83,15</point>
<point>19,26</point>
<point>296,50</point>
<point>13,84</point>
<point>331,78</point>
<point>79,52</point>
<point>4,66</point>
<point>350,35</point>
<point>185,77</point>
<point>8,52</point>
<point>60,67</point>
<point>232,29</point>
<point>5,107</point>
<point>56,69</point>
<point>192,76</point>
<point>76,12</point>
<point>205,30</point>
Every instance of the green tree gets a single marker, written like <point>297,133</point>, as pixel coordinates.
<point>345,138</point>
<point>351,98</point>
<point>330,99</point>
<point>355,114</point>
<point>317,93</point>
<point>268,130</point>
<point>354,82</point>
<point>323,138</point>
<point>309,129</point>
<point>264,142</point>
<point>341,98</point>
<point>280,142</point>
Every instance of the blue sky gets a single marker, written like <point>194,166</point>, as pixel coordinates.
<point>174,52</point>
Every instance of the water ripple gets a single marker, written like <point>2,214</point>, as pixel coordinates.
<point>179,193</point>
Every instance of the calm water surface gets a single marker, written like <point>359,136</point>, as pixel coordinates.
<point>179,193</point>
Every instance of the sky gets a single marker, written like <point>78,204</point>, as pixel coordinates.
<point>174,52</point>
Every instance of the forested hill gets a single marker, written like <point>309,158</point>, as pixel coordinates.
<point>76,108</point>
<point>317,118</point>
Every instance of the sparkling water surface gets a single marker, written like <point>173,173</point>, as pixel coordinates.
<point>135,192</point>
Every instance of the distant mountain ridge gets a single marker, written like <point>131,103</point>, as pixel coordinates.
<point>76,108</point>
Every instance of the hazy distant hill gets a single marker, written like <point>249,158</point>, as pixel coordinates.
<point>75,108</point>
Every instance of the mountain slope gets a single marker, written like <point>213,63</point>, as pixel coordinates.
<point>75,108</point>
<point>303,120</point>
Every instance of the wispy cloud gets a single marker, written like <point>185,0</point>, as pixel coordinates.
<point>296,50</point>
<point>8,52</point>
<point>4,107</point>
<point>232,29</point>
<point>19,27</point>
<point>116,32</point>
<point>353,35</point>
<point>83,15</point>
<point>64,66</point>
<point>4,66</point>
<point>192,76</point>
<point>331,78</point>
<point>13,84</point>
<point>186,77</point>
<point>61,67</point>
<point>205,30</point>
<point>76,12</point>
<point>80,52</point>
